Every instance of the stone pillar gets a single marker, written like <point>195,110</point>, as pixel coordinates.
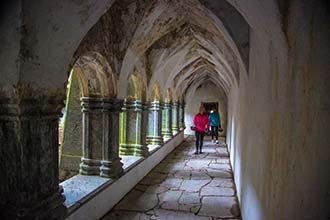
<point>132,134</point>
<point>167,120</point>
<point>175,118</point>
<point>92,109</point>
<point>29,183</point>
<point>111,165</point>
<point>154,135</point>
<point>145,122</point>
<point>181,116</point>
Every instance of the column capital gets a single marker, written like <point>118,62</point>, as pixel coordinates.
<point>91,104</point>
<point>113,104</point>
<point>155,106</point>
<point>175,104</point>
<point>167,105</point>
<point>135,105</point>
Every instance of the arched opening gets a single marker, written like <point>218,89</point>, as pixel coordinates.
<point>133,118</point>
<point>90,82</point>
<point>71,128</point>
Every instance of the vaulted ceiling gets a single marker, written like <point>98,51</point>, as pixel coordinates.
<point>177,44</point>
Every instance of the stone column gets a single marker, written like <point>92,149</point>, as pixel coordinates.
<point>175,118</point>
<point>181,116</point>
<point>145,121</point>
<point>132,137</point>
<point>29,183</point>
<point>167,120</point>
<point>92,109</point>
<point>111,165</point>
<point>154,135</point>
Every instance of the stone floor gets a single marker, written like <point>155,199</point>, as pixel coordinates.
<point>184,186</point>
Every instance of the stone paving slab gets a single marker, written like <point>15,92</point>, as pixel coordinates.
<point>193,185</point>
<point>199,175</point>
<point>217,191</point>
<point>219,182</point>
<point>220,166</point>
<point>172,183</point>
<point>222,160</point>
<point>198,163</point>
<point>138,201</point>
<point>170,196</point>
<point>172,215</point>
<point>189,198</point>
<point>219,173</point>
<point>125,215</point>
<point>183,174</point>
<point>184,186</point>
<point>216,206</point>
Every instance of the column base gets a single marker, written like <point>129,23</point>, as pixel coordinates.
<point>111,169</point>
<point>134,150</point>
<point>51,208</point>
<point>89,167</point>
<point>175,131</point>
<point>155,140</point>
<point>167,134</point>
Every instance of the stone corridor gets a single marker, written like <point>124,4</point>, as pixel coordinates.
<point>184,186</point>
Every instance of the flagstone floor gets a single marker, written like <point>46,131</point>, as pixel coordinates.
<point>184,186</point>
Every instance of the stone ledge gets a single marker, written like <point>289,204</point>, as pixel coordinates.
<point>91,197</point>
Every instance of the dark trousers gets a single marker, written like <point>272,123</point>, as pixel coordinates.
<point>199,140</point>
<point>214,132</point>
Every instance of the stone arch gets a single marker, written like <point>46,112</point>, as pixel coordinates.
<point>136,89</point>
<point>168,95</point>
<point>177,97</point>
<point>91,76</point>
<point>95,76</point>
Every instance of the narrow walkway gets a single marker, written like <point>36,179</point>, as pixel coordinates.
<point>184,186</point>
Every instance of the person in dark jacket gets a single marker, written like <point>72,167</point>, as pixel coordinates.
<point>215,123</point>
<point>202,124</point>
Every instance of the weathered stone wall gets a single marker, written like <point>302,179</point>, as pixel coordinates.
<point>279,119</point>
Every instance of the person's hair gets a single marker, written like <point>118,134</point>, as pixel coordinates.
<point>202,110</point>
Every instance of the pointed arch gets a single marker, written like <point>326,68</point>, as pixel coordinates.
<point>168,95</point>
<point>95,76</point>
<point>156,93</point>
<point>136,89</point>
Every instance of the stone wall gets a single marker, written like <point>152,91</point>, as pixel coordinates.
<point>279,119</point>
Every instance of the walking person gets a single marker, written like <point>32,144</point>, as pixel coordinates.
<point>215,123</point>
<point>202,124</point>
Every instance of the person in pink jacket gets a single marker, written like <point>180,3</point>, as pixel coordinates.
<point>202,124</point>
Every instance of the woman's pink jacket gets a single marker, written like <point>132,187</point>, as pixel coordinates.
<point>201,122</point>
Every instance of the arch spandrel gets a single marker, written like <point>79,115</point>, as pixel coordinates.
<point>95,76</point>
